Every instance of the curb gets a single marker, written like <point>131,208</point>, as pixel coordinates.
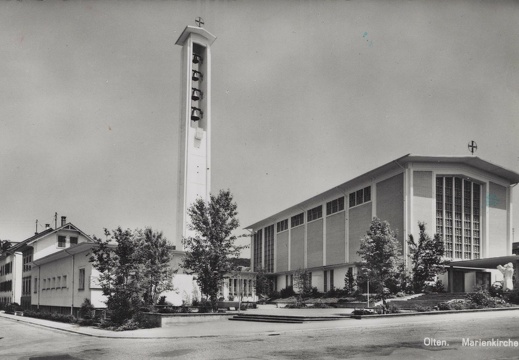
<point>440,312</point>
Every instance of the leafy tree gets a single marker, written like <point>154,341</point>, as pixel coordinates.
<point>4,246</point>
<point>349,282</point>
<point>381,256</point>
<point>263,283</point>
<point>132,269</point>
<point>157,274</point>
<point>209,251</point>
<point>303,284</point>
<point>426,257</point>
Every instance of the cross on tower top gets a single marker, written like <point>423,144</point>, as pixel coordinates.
<point>199,21</point>
<point>472,146</point>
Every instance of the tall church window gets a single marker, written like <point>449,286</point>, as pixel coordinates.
<point>258,240</point>
<point>269,248</point>
<point>458,203</point>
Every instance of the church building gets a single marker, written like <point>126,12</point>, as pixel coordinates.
<point>465,199</point>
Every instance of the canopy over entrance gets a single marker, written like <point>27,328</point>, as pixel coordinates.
<point>488,263</point>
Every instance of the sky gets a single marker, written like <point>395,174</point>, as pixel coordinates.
<point>305,95</point>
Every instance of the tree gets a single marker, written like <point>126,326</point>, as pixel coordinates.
<point>381,256</point>
<point>302,284</point>
<point>133,267</point>
<point>157,274</point>
<point>349,282</point>
<point>263,283</point>
<point>209,251</point>
<point>426,258</point>
<point>4,246</point>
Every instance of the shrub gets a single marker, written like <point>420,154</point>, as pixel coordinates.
<point>274,295</point>
<point>50,316</point>
<point>455,305</point>
<point>162,301</point>
<point>513,296</point>
<point>496,290</point>
<point>393,309</point>
<point>12,307</point>
<point>287,292</point>
<point>364,312</point>
<point>438,287</point>
<point>205,306</point>
<point>420,308</point>
<point>482,298</point>
<point>86,309</point>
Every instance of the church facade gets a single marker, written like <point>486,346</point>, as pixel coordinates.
<point>464,199</point>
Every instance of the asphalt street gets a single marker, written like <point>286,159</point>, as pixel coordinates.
<point>419,337</point>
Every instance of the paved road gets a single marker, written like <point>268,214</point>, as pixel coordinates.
<point>387,338</point>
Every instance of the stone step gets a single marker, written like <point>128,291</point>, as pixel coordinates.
<point>282,319</point>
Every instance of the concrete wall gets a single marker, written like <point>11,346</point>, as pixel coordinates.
<point>360,220</point>
<point>297,249</point>
<point>282,251</point>
<point>390,204</point>
<point>423,203</point>
<point>315,243</point>
<point>336,238</point>
<point>497,221</point>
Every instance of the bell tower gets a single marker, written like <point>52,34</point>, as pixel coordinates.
<point>195,122</point>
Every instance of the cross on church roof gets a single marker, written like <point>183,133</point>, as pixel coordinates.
<point>199,21</point>
<point>473,146</point>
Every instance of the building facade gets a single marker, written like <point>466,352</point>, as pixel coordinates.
<point>44,270</point>
<point>464,199</point>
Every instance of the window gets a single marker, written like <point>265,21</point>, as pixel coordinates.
<point>73,241</point>
<point>331,280</point>
<point>27,259</point>
<point>325,281</point>
<point>315,213</point>
<point>458,203</point>
<point>269,248</point>
<point>297,220</point>
<point>58,282</point>
<point>26,286</point>
<point>282,225</point>
<point>64,283</point>
<point>62,241</point>
<point>44,287</point>
<point>360,196</point>
<point>53,283</point>
<point>352,199</point>
<point>6,285</point>
<point>335,206</point>
<point>258,247</point>
<point>6,269</point>
<point>367,194</point>
<point>48,283</point>
<point>81,285</point>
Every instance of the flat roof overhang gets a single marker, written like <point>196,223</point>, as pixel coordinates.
<point>488,263</point>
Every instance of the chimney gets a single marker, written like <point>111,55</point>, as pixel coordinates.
<point>47,226</point>
<point>63,220</point>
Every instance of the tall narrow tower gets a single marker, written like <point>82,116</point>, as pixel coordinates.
<point>195,121</point>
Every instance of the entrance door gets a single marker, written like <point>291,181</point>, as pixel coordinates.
<point>483,280</point>
<point>458,281</point>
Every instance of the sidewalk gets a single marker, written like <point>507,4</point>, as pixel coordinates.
<point>214,328</point>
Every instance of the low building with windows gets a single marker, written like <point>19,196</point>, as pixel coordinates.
<point>464,199</point>
<point>21,278</point>
<point>64,279</point>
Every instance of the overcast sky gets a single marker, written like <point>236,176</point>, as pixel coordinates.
<point>306,95</point>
